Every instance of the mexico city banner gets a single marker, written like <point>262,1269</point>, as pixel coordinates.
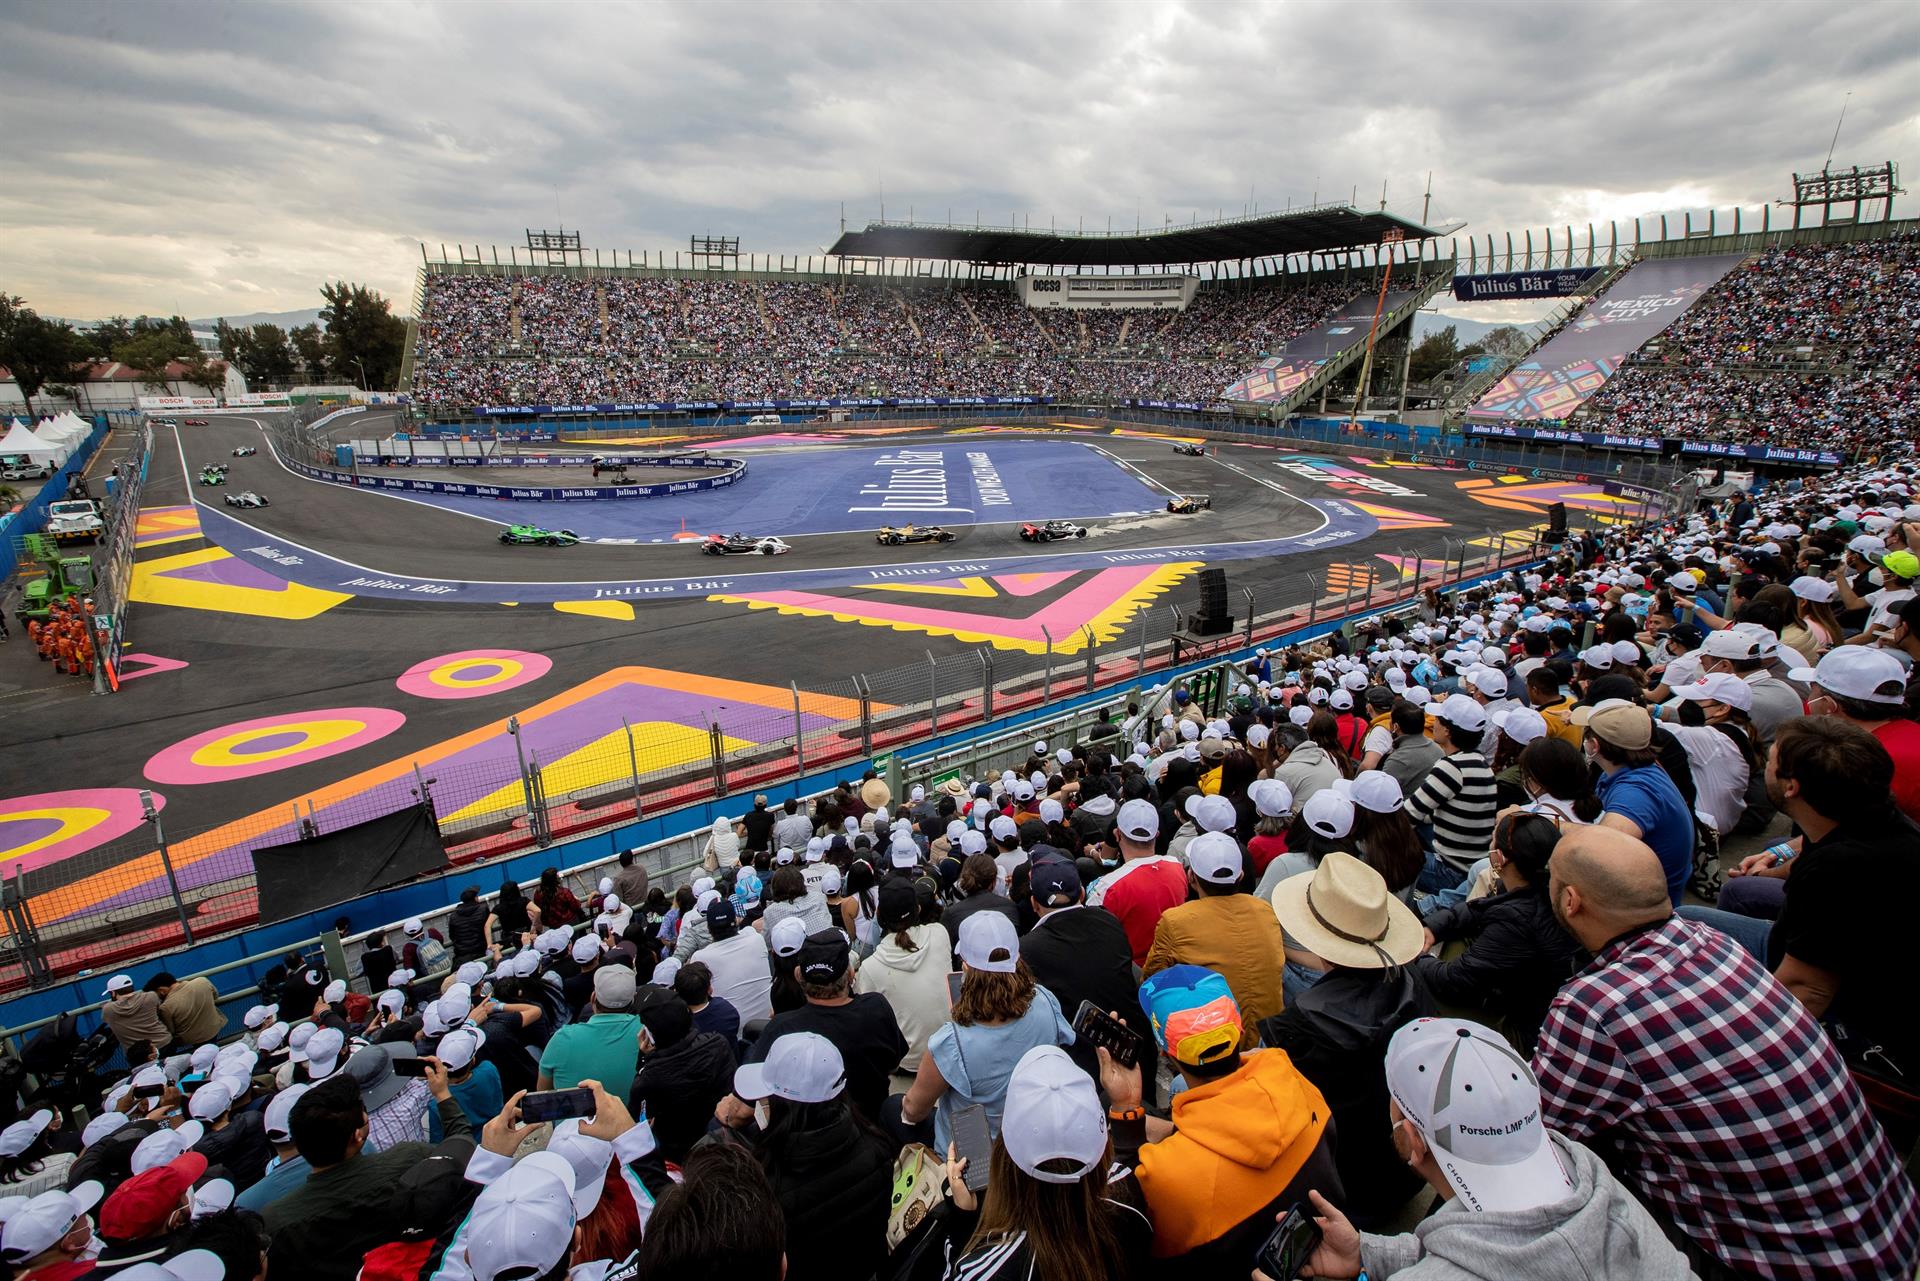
<point>1554,381</point>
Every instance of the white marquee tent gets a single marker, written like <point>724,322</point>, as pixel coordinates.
<point>23,440</point>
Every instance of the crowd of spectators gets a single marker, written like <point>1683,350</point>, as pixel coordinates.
<point>1411,920</point>
<point>1809,346</point>
<point>498,340</point>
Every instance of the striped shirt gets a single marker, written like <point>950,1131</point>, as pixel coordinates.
<point>1459,798</point>
<point>1732,1114</point>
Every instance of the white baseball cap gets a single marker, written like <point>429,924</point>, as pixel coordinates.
<point>1489,681</point>
<point>412,927</point>
<point>1052,811</point>
<point>280,1111</point>
<point>297,1041</point>
<point>19,1136</point>
<point>1271,798</point>
<point>522,1224</point>
<point>272,1037</point>
<point>471,973</point>
<point>1214,857</point>
<point>1461,713</point>
<point>1418,695</point>
<point>984,934</point>
<point>972,841</point>
<point>100,1127</point>
<point>590,1158</point>
<point>1858,672</point>
<point>1599,657</point>
<point>586,948</point>
<point>334,992</point>
<point>1328,814</point>
<point>1003,828</point>
<point>1736,644</point>
<point>1138,820</point>
<point>458,1049</point>
<point>1808,587</point>
<point>1210,813</point>
<point>783,856</point>
<point>1052,1113</point>
<point>119,983</point>
<point>209,1101</point>
<point>1372,789</point>
<point>323,1052</point>
<point>41,1223</point>
<point>804,1067</point>
<point>259,1016</point>
<point>903,853</point>
<point>212,1197</point>
<point>164,1145</point>
<point>1718,687</point>
<point>1340,701</point>
<point>1477,1105</point>
<point>1521,724</point>
<point>787,936</point>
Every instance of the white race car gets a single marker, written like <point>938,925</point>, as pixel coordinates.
<point>245,498</point>
<point>743,545</point>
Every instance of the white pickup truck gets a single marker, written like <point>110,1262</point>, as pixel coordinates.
<point>74,520</point>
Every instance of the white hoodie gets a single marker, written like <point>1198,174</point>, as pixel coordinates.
<point>914,983</point>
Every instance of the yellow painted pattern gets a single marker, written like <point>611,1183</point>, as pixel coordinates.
<point>974,586</point>
<point>291,601</point>
<point>618,610</point>
<point>1020,634</point>
<point>658,745</point>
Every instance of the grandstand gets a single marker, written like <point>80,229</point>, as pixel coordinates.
<point>577,335</point>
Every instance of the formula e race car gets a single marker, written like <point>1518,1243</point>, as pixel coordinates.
<point>743,545</point>
<point>1191,449</point>
<point>1051,530</point>
<point>196,422</point>
<point>1187,504</point>
<point>246,451</point>
<point>894,535</point>
<point>525,535</point>
<point>245,498</point>
<point>213,475</point>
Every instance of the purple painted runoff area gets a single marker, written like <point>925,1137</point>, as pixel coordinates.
<point>1277,375</point>
<point>1557,379</point>
<point>1342,523</point>
<point>818,489</point>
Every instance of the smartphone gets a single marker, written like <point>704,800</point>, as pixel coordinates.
<point>556,1105</point>
<point>954,980</point>
<point>188,1084</point>
<point>410,1067</point>
<point>1097,1027</point>
<point>1291,1245</point>
<point>973,1143</point>
<point>149,1091</point>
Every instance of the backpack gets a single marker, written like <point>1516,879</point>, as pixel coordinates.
<point>433,954</point>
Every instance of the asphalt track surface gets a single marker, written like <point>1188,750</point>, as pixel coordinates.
<point>348,649</point>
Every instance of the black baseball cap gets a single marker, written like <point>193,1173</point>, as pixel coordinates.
<point>823,957</point>
<point>1054,880</point>
<point>899,905</point>
<point>721,917</point>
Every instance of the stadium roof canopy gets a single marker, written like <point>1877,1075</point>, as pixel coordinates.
<point>1321,229</point>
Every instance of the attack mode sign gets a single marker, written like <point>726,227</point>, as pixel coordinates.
<point>1344,479</point>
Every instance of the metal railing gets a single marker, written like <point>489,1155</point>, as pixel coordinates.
<point>128,899</point>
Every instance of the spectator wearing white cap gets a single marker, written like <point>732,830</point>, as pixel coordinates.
<point>1309,765</point>
<point>133,1016</point>
<point>1001,1013</point>
<point>1517,1199</point>
<point>1146,884</point>
<point>1224,929</point>
<point>29,1161</point>
<point>1712,723</point>
<point>235,1137</point>
<point>1061,1199</point>
<point>1747,651</point>
<point>50,1235</point>
<point>424,952</point>
<point>1458,799</point>
<point>738,962</point>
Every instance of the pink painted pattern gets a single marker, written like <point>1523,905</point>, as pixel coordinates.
<point>473,673</point>
<point>76,820</point>
<point>268,744</point>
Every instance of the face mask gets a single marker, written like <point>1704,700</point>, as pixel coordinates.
<point>763,1114</point>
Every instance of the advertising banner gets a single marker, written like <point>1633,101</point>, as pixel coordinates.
<point>1604,440</point>
<point>1557,379</point>
<point>1523,284</point>
<point>581,493</point>
<point>177,402</point>
<point>1302,357</point>
<point>259,399</point>
<point>750,406</point>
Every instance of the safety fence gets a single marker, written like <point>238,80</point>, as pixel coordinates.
<point>31,518</point>
<point>515,791</point>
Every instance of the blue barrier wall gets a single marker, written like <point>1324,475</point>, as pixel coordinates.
<point>434,893</point>
<point>736,468</point>
<point>32,516</point>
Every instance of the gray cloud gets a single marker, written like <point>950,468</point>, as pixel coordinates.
<point>209,157</point>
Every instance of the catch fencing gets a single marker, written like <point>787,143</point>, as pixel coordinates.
<point>157,889</point>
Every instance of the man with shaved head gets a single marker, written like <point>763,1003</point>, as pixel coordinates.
<point>1720,1098</point>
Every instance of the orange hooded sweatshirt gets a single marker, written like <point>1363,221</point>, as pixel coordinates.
<point>1242,1144</point>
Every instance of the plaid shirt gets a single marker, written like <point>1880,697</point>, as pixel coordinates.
<point>402,1120</point>
<point>1730,1110</point>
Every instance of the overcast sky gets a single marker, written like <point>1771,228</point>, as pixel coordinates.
<point>227,158</point>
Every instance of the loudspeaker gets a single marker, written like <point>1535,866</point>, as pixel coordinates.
<point>1213,591</point>
<point>1210,624</point>
<point>1557,519</point>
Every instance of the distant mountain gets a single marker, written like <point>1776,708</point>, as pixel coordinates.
<point>284,319</point>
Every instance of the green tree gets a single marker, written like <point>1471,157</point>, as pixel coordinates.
<point>363,334</point>
<point>198,371</point>
<point>149,354</point>
<point>229,341</point>
<point>38,351</point>
<point>1504,341</point>
<point>1433,355</point>
<point>310,347</point>
<point>107,335</point>
<point>262,352</point>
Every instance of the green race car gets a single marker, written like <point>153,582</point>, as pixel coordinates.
<point>527,535</point>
